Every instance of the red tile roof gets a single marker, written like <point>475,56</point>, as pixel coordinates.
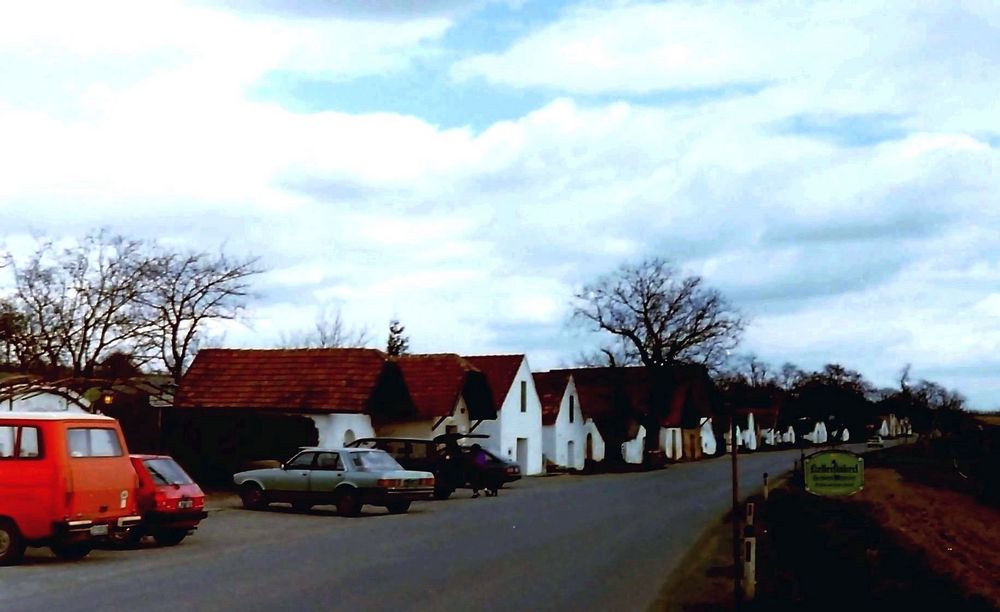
<point>301,380</point>
<point>551,387</point>
<point>500,371</point>
<point>436,381</point>
<point>620,393</point>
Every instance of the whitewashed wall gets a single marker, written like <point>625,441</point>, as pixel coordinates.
<point>512,424</point>
<point>632,450</point>
<point>556,437</point>
<point>596,440</point>
<point>424,428</point>
<point>335,430</point>
<point>709,445</point>
<point>45,402</point>
<point>750,434</point>
<point>672,442</point>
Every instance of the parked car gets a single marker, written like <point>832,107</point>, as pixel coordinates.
<point>172,505</point>
<point>65,480</point>
<point>875,442</point>
<point>446,459</point>
<point>347,478</point>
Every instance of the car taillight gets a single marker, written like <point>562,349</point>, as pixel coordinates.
<point>427,482</point>
<point>160,499</point>
<point>389,483</point>
<point>199,502</point>
<point>512,470</point>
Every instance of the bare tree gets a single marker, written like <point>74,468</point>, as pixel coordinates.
<point>751,371</point>
<point>82,301</point>
<point>18,345</point>
<point>192,289</point>
<point>790,376</point>
<point>663,318</point>
<point>329,331</point>
<point>659,318</point>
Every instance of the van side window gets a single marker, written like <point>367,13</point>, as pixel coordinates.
<point>93,442</point>
<point>20,442</point>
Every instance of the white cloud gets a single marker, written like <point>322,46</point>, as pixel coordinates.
<point>862,254</point>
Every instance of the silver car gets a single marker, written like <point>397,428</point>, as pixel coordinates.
<point>348,478</point>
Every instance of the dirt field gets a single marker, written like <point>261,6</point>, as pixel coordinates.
<point>959,537</point>
<point>918,537</point>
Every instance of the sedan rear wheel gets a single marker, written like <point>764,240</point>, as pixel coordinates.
<point>398,507</point>
<point>252,496</point>
<point>72,551</point>
<point>11,544</point>
<point>348,503</point>
<point>169,537</point>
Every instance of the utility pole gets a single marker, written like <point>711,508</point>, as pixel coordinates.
<point>736,513</point>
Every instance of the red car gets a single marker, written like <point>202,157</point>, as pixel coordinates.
<point>170,502</point>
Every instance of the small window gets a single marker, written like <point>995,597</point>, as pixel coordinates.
<point>418,451</point>
<point>20,442</point>
<point>571,408</point>
<point>524,396</point>
<point>329,461</point>
<point>93,442</point>
<point>303,461</point>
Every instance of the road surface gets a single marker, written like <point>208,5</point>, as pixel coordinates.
<point>595,542</point>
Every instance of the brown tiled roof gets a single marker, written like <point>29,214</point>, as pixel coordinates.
<point>301,380</point>
<point>551,386</point>
<point>609,394</point>
<point>436,381</point>
<point>500,371</point>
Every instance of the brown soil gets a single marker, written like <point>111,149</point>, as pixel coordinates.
<point>958,536</point>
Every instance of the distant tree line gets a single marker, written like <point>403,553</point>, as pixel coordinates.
<point>840,394</point>
<point>651,314</point>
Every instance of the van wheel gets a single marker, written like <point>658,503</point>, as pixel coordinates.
<point>442,493</point>
<point>252,496</point>
<point>72,551</point>
<point>348,503</point>
<point>398,507</point>
<point>11,543</point>
<point>169,537</point>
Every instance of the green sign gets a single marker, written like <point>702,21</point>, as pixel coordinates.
<point>834,472</point>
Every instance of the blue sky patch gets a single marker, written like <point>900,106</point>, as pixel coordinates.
<point>846,130</point>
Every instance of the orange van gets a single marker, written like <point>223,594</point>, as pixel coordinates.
<point>65,479</point>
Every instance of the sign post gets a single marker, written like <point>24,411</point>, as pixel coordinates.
<point>834,473</point>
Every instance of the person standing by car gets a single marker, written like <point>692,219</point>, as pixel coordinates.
<point>477,469</point>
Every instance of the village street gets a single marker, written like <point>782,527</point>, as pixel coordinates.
<point>565,542</point>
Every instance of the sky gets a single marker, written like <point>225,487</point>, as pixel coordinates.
<point>832,168</point>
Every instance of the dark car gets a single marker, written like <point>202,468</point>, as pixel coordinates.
<point>449,461</point>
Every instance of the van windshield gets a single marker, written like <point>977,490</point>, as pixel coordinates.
<point>167,472</point>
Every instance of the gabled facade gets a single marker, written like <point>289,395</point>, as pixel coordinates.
<point>516,433</point>
<point>602,391</point>
<point>569,437</point>
<point>448,393</point>
<point>635,411</point>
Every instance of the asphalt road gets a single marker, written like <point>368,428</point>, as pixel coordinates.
<point>596,542</point>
